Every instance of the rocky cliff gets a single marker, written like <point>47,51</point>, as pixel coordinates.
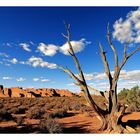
<point>32,92</point>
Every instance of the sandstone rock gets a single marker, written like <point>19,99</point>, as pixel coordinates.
<point>16,91</point>
<point>64,93</point>
<point>33,93</point>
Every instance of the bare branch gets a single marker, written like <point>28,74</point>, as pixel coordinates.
<point>98,92</point>
<point>125,53</point>
<point>71,74</point>
<point>133,52</point>
<point>113,48</point>
<point>82,85</point>
<point>64,35</point>
<point>126,57</point>
<point>105,62</point>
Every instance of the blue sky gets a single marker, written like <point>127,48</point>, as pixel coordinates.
<point>32,45</point>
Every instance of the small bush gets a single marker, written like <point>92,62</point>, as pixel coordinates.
<point>1,105</point>
<point>48,106</point>
<point>5,115</point>
<point>19,120</point>
<point>21,110</point>
<point>50,126</point>
<point>58,113</point>
<point>35,113</point>
<point>13,110</point>
<point>76,107</point>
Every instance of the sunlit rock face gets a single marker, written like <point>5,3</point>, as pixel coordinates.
<point>34,93</point>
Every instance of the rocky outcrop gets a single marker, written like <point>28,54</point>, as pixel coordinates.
<point>33,93</point>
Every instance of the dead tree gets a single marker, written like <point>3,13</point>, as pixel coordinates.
<point>110,118</point>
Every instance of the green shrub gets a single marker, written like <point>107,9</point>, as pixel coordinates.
<point>131,98</point>
<point>123,94</point>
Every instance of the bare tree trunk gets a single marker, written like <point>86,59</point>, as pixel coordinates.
<point>110,118</point>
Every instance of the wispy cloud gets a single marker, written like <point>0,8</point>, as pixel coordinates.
<point>7,44</point>
<point>133,75</point>
<point>6,78</point>
<point>127,79</point>
<point>71,84</point>
<point>39,62</point>
<point>35,79</point>
<point>8,65</point>
<point>41,80</point>
<point>128,30</point>
<point>25,47</point>
<point>4,55</point>
<point>20,79</point>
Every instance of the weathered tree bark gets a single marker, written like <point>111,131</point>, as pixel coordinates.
<point>110,118</point>
<point>115,114</point>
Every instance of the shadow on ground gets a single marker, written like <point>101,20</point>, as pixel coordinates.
<point>17,130</point>
<point>131,123</point>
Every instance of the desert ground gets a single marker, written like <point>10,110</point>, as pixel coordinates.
<point>55,115</point>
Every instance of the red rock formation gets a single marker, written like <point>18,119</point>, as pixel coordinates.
<point>32,92</point>
<point>16,91</point>
<point>64,92</point>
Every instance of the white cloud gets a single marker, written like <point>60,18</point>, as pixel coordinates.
<point>77,46</point>
<point>71,84</point>
<point>21,79</point>
<point>103,86</point>
<point>128,30</point>
<point>133,75</point>
<point>127,79</point>
<point>51,49</point>
<point>14,61</point>
<point>6,78</point>
<point>39,62</point>
<point>95,76</point>
<point>8,45</point>
<point>35,79</point>
<point>32,43</point>
<point>41,80</point>
<point>4,55</point>
<point>128,84</point>
<point>48,50</point>
<point>22,62</point>
<point>25,47</point>
<point>44,80</point>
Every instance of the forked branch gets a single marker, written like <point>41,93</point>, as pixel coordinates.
<point>105,62</point>
<point>126,57</point>
<point>72,75</point>
<point>113,48</point>
<point>81,82</point>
